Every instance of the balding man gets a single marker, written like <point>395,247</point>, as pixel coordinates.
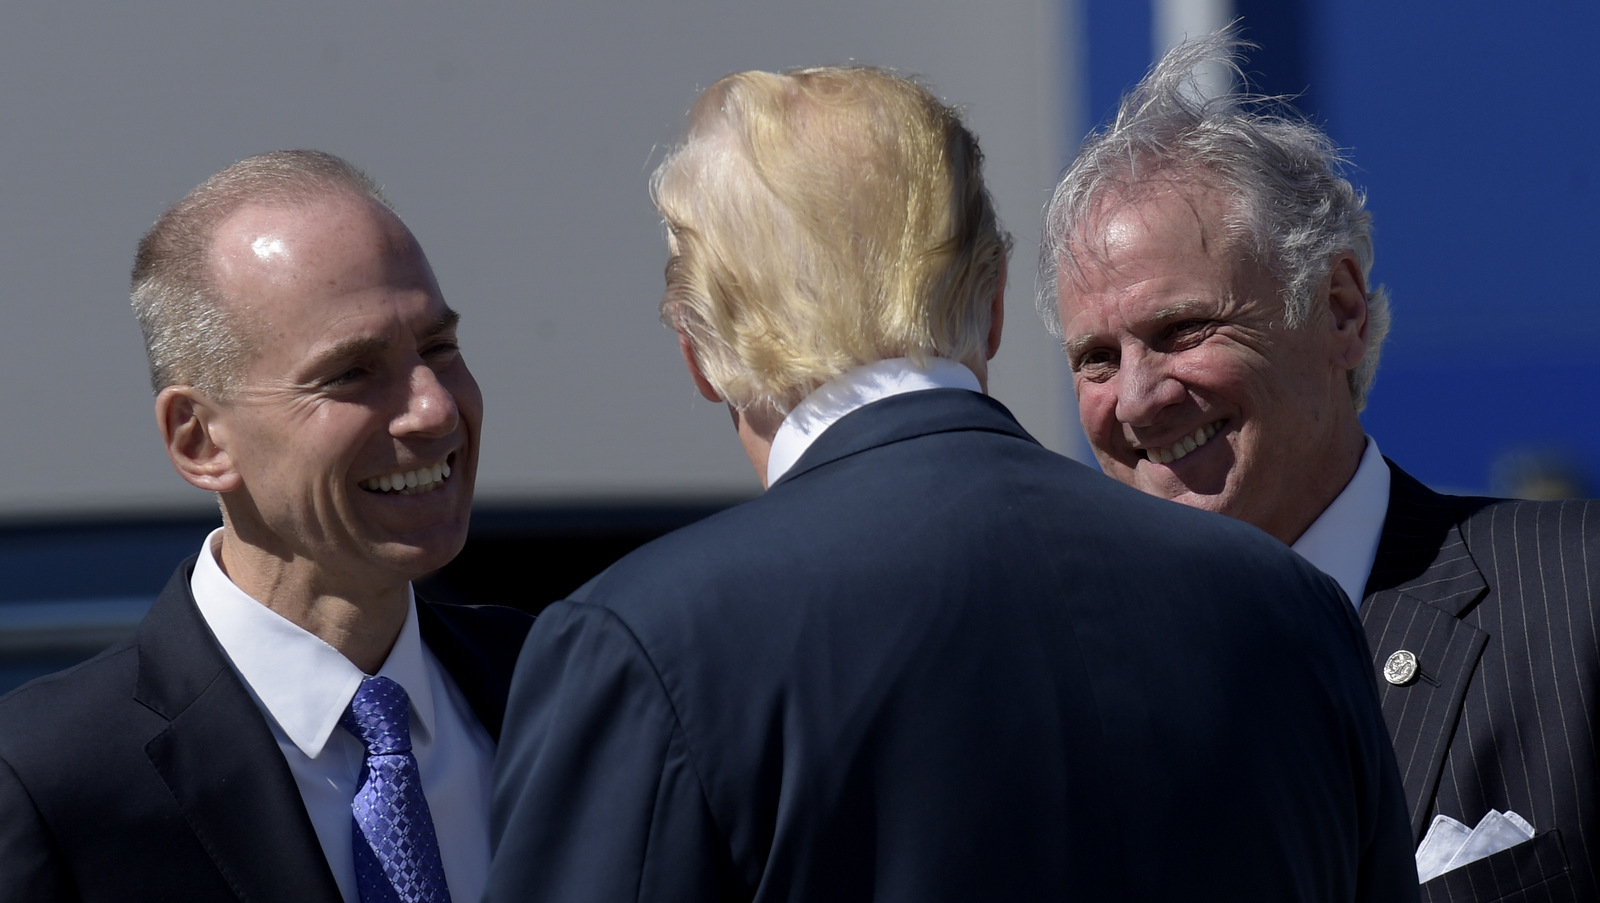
<point>934,661</point>
<point>288,723</point>
<point>1208,268</point>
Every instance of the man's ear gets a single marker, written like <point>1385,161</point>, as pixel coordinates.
<point>1347,302</point>
<point>707,391</point>
<point>997,314</point>
<point>196,438</point>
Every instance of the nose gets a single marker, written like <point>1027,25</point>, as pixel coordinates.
<point>1144,388</point>
<point>430,406</point>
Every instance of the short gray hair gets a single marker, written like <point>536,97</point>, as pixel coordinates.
<point>1292,207</point>
<point>192,335</point>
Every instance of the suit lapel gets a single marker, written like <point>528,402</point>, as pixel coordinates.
<point>219,759</point>
<point>478,647</point>
<point>1423,580</point>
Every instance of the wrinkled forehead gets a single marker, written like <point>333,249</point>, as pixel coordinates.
<point>1165,216</point>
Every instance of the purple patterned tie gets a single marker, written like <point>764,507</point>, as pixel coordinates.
<point>397,853</point>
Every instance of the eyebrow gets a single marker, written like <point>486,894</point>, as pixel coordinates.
<point>1178,310</point>
<point>354,349</point>
<point>1076,347</point>
<point>446,322</point>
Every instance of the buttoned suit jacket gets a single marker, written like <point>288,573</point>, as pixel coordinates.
<point>935,661</point>
<point>1497,599</point>
<point>148,773</point>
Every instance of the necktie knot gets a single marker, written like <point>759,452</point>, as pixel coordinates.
<point>380,717</point>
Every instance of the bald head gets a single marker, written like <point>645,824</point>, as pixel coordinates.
<point>192,335</point>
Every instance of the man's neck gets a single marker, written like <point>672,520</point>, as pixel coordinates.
<point>756,427</point>
<point>1297,507</point>
<point>362,626</point>
<point>1343,540</point>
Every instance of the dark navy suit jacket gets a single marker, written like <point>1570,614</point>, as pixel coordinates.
<point>149,774</point>
<point>1500,603</point>
<point>938,662</point>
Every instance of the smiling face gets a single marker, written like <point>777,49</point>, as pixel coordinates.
<point>1190,387</point>
<point>354,438</point>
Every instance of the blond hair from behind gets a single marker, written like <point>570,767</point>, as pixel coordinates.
<point>822,219</point>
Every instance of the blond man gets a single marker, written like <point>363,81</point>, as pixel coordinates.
<point>934,661</point>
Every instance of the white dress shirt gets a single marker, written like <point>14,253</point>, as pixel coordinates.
<point>303,686</point>
<point>853,389</point>
<point>1343,541</point>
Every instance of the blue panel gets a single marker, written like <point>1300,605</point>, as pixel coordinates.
<point>1474,131</point>
<point>1451,420</point>
<point>1282,63</point>
<point>1117,42</point>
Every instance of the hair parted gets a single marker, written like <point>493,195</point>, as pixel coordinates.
<point>1293,209</point>
<point>821,219</point>
<point>192,335</point>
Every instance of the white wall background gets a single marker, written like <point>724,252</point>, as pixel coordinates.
<point>516,140</point>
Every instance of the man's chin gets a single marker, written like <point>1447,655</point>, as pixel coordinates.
<point>429,525</point>
<point>1165,483</point>
<point>413,564</point>
<point>1215,503</point>
<point>420,552</point>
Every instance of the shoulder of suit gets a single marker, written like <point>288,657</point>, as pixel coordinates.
<point>1410,499</point>
<point>1566,523</point>
<point>115,665</point>
<point>670,564</point>
<point>1546,516</point>
<point>45,712</point>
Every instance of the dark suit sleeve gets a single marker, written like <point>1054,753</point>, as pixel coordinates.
<point>30,871</point>
<point>595,794</point>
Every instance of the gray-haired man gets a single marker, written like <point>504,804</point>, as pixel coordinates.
<point>1207,268</point>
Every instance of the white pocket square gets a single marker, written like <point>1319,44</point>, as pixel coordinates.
<point>1449,845</point>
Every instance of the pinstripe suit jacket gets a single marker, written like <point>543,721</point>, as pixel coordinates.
<point>1500,602</point>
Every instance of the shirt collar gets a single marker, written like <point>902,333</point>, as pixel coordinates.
<point>1343,541</point>
<point>853,389</point>
<point>301,682</point>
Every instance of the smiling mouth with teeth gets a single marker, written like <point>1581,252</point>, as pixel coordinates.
<point>410,482</point>
<point>1182,447</point>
